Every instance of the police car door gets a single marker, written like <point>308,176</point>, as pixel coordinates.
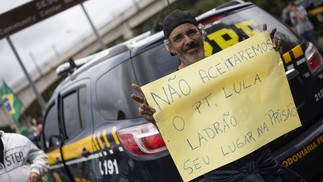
<point>77,130</point>
<point>51,143</point>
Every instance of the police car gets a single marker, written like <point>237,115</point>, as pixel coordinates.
<point>92,128</point>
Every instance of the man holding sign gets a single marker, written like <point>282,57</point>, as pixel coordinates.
<point>184,38</point>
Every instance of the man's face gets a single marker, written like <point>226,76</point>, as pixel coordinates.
<point>186,41</point>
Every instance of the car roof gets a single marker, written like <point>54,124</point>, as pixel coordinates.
<point>230,6</point>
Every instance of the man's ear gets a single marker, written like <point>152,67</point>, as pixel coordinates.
<point>170,48</point>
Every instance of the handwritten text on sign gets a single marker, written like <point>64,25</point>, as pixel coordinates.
<point>223,107</point>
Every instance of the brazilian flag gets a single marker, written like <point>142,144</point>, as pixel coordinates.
<point>10,101</point>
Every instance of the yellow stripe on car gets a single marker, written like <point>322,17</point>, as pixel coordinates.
<point>297,51</point>
<point>106,138</point>
<point>315,11</point>
<point>95,144</point>
<point>114,134</point>
<point>287,57</point>
<point>98,136</point>
<point>53,156</point>
<point>89,143</point>
<point>75,149</point>
<point>81,180</point>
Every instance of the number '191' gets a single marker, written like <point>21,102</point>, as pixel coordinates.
<point>109,167</point>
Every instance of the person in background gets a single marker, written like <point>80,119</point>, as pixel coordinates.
<point>37,127</point>
<point>285,16</point>
<point>184,38</point>
<point>20,159</point>
<point>304,26</point>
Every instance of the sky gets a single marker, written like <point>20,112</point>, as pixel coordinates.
<point>41,43</point>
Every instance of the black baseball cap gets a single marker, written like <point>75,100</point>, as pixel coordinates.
<point>177,18</point>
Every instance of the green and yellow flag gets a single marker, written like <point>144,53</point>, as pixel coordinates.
<point>10,101</point>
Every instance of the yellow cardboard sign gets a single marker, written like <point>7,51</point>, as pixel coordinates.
<point>224,107</point>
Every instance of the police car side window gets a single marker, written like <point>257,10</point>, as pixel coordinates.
<point>51,129</point>
<point>113,90</point>
<point>154,63</point>
<point>71,114</point>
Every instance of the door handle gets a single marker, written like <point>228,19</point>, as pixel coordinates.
<point>57,161</point>
<point>85,152</point>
